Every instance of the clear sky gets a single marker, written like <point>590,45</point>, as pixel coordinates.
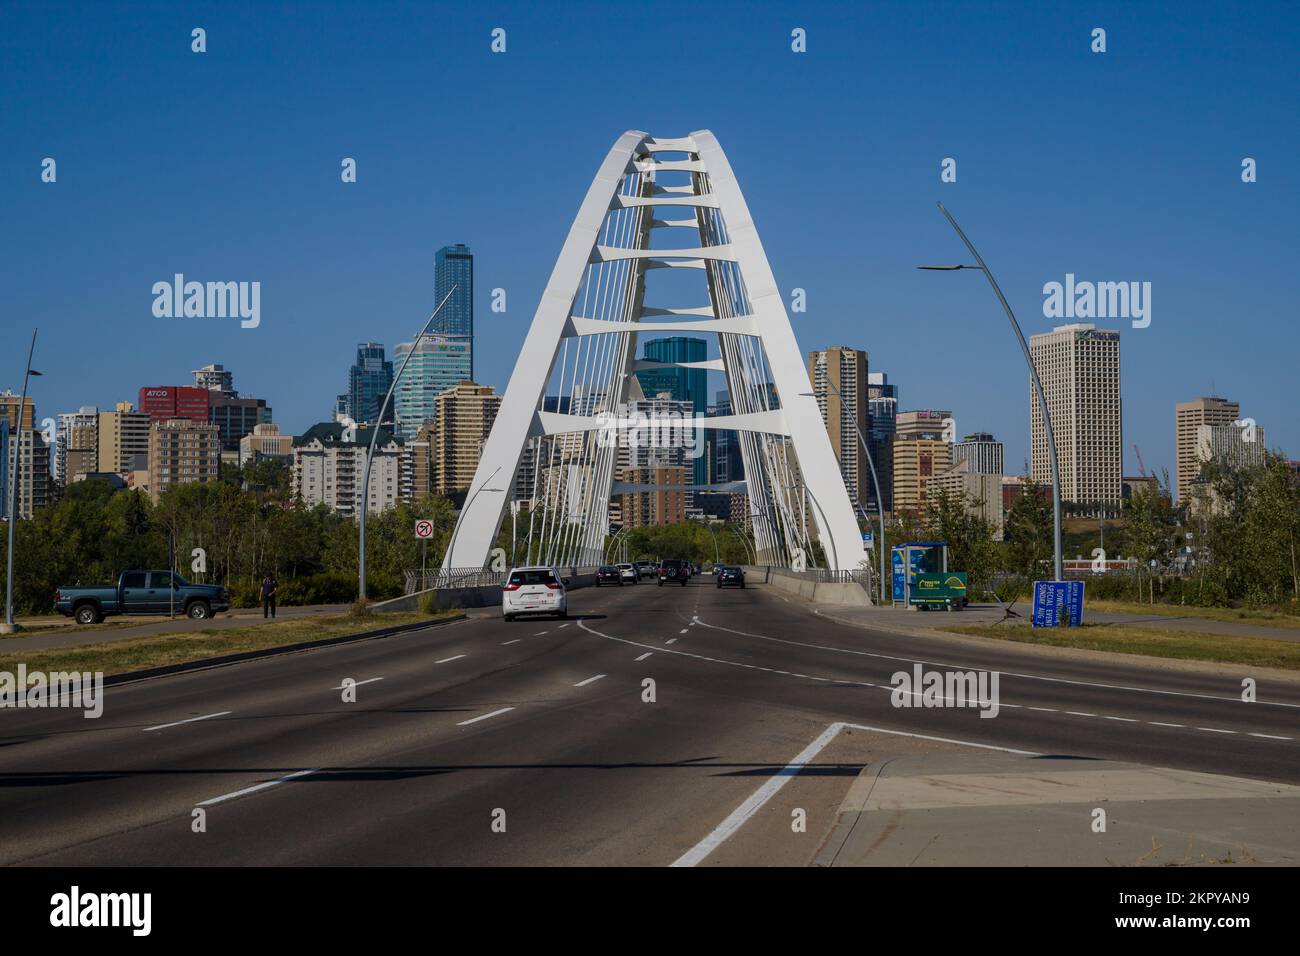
<point>1118,166</point>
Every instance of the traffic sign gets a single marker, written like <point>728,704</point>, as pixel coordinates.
<point>1058,604</point>
<point>424,528</point>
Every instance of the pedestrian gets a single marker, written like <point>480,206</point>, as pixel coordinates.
<point>269,586</point>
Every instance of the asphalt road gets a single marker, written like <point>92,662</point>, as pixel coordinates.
<point>540,727</point>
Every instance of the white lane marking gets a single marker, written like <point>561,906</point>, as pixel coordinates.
<point>1270,736</point>
<point>177,723</point>
<point>540,633</point>
<point>562,627</point>
<point>671,640</point>
<point>738,817</point>
<point>256,787</point>
<point>682,631</point>
<point>1216,730</point>
<point>448,660</point>
<point>358,683</point>
<point>515,641</point>
<point>853,683</point>
<point>1127,720</point>
<point>1055,680</point>
<point>1079,713</point>
<point>589,680</point>
<point>644,656</point>
<point>475,720</point>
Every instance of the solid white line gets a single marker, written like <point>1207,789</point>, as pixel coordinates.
<point>256,787</point>
<point>515,641</point>
<point>589,680</point>
<point>645,655</point>
<point>448,660</point>
<point>475,720</point>
<point>190,721</point>
<point>738,817</point>
<point>358,683</point>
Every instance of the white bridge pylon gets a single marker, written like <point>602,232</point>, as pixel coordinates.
<point>575,373</point>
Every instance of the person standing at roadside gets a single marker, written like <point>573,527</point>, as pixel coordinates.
<point>269,587</point>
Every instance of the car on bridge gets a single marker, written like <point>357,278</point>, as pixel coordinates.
<point>731,576</point>
<point>629,573</point>
<point>141,592</point>
<point>535,590</point>
<point>646,569</point>
<point>673,571</point>
<point>608,574</point>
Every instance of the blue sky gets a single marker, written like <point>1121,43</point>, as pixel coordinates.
<point>225,166</point>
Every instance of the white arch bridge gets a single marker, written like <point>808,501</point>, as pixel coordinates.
<point>663,213</point>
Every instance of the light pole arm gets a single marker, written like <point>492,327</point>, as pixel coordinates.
<point>1038,387</point>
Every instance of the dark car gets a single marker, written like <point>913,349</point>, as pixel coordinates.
<point>673,571</point>
<point>731,576</point>
<point>608,574</point>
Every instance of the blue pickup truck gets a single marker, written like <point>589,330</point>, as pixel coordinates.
<point>142,592</point>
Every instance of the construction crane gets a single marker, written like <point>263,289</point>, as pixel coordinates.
<point>1142,468</point>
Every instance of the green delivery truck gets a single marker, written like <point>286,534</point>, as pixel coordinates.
<point>939,589</point>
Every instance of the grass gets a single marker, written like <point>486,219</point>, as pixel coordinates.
<point>1126,639</point>
<point>1231,614</point>
<point>132,654</point>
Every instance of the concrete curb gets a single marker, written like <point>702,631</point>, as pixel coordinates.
<point>206,663</point>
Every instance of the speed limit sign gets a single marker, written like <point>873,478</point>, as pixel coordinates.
<point>424,528</point>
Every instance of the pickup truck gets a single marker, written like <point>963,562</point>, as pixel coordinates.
<point>141,592</point>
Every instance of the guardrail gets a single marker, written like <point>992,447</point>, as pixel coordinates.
<point>435,578</point>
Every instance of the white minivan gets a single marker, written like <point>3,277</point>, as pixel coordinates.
<point>534,591</point>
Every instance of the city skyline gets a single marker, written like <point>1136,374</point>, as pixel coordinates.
<point>345,263</point>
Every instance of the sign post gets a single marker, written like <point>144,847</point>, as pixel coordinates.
<point>423,531</point>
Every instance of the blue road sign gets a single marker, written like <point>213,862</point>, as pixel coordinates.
<point>1050,597</point>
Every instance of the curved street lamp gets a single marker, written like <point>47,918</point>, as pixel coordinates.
<point>1033,372</point>
<point>12,513</point>
<point>370,451</point>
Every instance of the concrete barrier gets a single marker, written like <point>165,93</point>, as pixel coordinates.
<point>809,588</point>
<point>488,595</point>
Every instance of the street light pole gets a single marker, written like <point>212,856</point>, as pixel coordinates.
<point>451,545</point>
<point>370,451</point>
<point>1033,372</point>
<point>875,481</point>
<point>9,626</point>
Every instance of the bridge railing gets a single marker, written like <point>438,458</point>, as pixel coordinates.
<point>432,578</point>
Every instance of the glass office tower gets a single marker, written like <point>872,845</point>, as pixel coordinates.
<point>455,266</point>
<point>683,384</point>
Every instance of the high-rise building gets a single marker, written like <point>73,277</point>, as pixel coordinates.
<point>165,402</point>
<point>916,462</point>
<point>236,417</point>
<point>76,444</point>
<point>925,423</point>
<point>982,450</point>
<point>215,378</point>
<point>454,266</point>
<point>1079,368</point>
<point>329,470</point>
<point>882,400</point>
<point>664,505</point>
<point>682,376</point>
<point>728,463</point>
<point>1188,417</point>
<point>839,382</point>
<point>182,451</point>
<point>24,452</point>
<point>123,440</point>
<point>369,379</point>
<point>461,426</point>
<point>439,363</point>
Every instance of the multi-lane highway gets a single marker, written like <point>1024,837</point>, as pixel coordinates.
<point>537,742</point>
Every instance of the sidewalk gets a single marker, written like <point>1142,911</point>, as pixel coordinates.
<point>68,635</point>
<point>936,804</point>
